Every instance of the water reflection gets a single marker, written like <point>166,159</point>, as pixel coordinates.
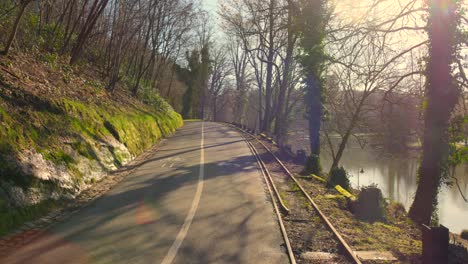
<point>396,176</point>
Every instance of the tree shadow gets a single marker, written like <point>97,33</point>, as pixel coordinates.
<point>107,231</point>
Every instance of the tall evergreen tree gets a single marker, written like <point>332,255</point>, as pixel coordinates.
<point>311,29</point>
<point>190,76</point>
<point>205,72</point>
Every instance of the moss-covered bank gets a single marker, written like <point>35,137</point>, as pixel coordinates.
<point>60,132</point>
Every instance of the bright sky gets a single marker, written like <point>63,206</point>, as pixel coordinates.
<point>210,5</point>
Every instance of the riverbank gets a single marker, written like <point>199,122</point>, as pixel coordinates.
<point>396,234</point>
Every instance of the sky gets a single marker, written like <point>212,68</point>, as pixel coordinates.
<point>210,5</point>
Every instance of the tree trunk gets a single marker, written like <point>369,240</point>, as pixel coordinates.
<point>9,43</point>
<point>96,11</point>
<point>70,31</point>
<point>269,69</point>
<point>344,140</point>
<point>441,99</point>
<point>313,100</point>
<point>215,109</point>
<point>341,148</point>
<point>260,110</point>
<point>281,115</point>
<point>141,71</point>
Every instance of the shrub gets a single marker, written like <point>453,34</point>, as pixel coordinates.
<point>464,234</point>
<point>338,176</point>
<point>15,217</point>
<point>312,165</point>
<point>396,210</point>
<point>370,205</point>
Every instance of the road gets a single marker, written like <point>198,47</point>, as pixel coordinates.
<point>200,199</point>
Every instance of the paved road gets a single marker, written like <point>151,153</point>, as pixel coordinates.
<point>200,199</point>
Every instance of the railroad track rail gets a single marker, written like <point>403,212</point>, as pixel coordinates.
<point>310,236</point>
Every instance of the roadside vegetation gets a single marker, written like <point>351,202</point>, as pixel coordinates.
<point>74,103</point>
<point>366,220</point>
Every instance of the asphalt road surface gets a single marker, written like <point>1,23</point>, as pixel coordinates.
<point>200,199</point>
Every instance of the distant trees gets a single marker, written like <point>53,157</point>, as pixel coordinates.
<point>221,70</point>
<point>239,63</point>
<point>267,48</point>
<point>191,77</point>
<point>196,76</point>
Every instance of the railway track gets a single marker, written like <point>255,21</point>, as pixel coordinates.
<point>310,236</point>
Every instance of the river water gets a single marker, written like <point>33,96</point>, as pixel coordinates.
<point>396,177</point>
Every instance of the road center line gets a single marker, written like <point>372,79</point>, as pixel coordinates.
<point>171,254</point>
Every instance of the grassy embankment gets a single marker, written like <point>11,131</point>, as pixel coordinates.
<point>61,131</point>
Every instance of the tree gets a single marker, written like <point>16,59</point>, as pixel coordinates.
<point>96,10</point>
<point>311,39</point>
<point>363,59</point>
<point>262,27</point>
<point>121,36</point>
<point>281,113</point>
<point>239,60</point>
<point>191,77</point>
<point>441,98</point>
<point>221,70</point>
<point>22,7</point>
<point>205,71</point>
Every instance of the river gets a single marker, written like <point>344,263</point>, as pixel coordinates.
<point>394,174</point>
<point>396,177</point>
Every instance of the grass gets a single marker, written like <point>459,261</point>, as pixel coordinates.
<point>397,234</point>
<point>305,203</point>
<point>283,198</point>
<point>303,200</point>
<point>294,187</point>
<point>11,219</point>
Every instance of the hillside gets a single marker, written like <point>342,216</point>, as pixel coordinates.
<point>61,131</point>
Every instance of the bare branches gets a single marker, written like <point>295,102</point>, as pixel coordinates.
<point>459,189</point>
<point>369,62</point>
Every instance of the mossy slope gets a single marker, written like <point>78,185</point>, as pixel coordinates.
<point>60,131</point>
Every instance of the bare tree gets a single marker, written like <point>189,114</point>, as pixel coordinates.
<point>97,8</point>
<point>22,7</point>
<point>221,70</point>
<point>239,61</point>
<point>365,62</point>
<point>265,29</point>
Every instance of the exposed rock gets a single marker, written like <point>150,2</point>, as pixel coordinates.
<point>33,163</point>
